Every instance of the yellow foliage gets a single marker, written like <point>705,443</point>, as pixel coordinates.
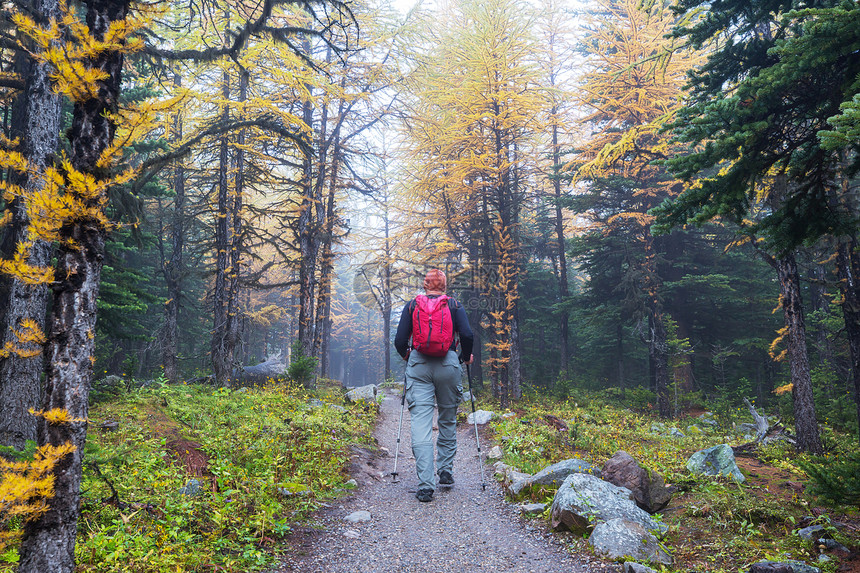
<point>28,341</point>
<point>26,487</point>
<point>57,416</point>
<point>776,342</point>
<point>785,389</point>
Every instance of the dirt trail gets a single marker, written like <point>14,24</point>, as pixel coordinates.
<point>464,529</point>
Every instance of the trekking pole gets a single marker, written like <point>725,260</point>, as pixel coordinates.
<point>399,429</point>
<point>475,420</point>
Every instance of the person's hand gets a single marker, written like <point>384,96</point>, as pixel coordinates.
<point>471,358</point>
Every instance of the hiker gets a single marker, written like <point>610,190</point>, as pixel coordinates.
<point>432,320</point>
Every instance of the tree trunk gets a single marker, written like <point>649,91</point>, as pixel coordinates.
<point>49,542</point>
<point>307,239</point>
<point>173,266</point>
<point>658,350</point>
<point>39,127</point>
<point>220,361</point>
<point>808,438</point>
<point>563,291</point>
<point>848,267</point>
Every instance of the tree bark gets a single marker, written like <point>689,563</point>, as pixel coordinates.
<point>49,542</point>
<point>221,362</point>
<point>173,266</point>
<point>806,424</point>
<point>38,128</point>
<point>563,291</point>
<point>848,268</point>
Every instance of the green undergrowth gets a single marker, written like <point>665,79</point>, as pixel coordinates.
<point>265,458</point>
<point>714,524</point>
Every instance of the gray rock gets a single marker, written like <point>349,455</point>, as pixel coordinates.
<point>467,396</point>
<point>358,516</point>
<point>351,483</point>
<point>658,428</point>
<point>782,567</point>
<point>507,415</point>
<point>811,533</point>
<point>533,508</point>
<point>338,408</point>
<point>716,461</point>
<point>351,534</point>
<point>619,538</point>
<point>694,430</point>
<point>633,567</point>
<point>191,488</point>
<point>481,417</point>
<point>500,468</point>
<point>495,453</point>
<point>708,420</point>
<point>676,433</point>
<point>824,558</point>
<point>555,474</point>
<point>367,393</point>
<point>747,428</point>
<point>649,489</point>
<point>584,499</point>
<point>315,403</point>
<point>833,544</point>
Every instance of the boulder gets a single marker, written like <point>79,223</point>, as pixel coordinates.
<point>716,461</point>
<point>495,453</point>
<point>649,489</point>
<point>619,538</point>
<point>633,567</point>
<point>584,499</point>
<point>782,567</point>
<point>467,397</point>
<point>811,533</point>
<point>555,474</point>
<point>367,393</point>
<point>480,417</point>
<point>271,367</point>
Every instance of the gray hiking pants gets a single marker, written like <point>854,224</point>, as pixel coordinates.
<point>432,381</point>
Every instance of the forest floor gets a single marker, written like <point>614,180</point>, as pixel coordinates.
<point>464,528</point>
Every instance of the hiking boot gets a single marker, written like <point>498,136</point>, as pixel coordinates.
<point>445,478</point>
<point>424,494</point>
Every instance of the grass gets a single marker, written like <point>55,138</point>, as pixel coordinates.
<point>714,525</point>
<point>267,459</point>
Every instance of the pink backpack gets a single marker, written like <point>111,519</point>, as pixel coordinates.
<point>432,325</point>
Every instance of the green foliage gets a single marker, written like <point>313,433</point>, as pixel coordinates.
<point>271,460</point>
<point>302,368</point>
<point>835,478</point>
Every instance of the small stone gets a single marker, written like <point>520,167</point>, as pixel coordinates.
<point>191,488</point>
<point>358,516</point>
<point>351,534</point>
<point>351,483</point>
<point>533,508</point>
<point>507,415</point>
<point>676,433</point>
<point>495,453</point>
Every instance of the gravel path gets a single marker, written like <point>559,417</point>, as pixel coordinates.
<point>464,529</point>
